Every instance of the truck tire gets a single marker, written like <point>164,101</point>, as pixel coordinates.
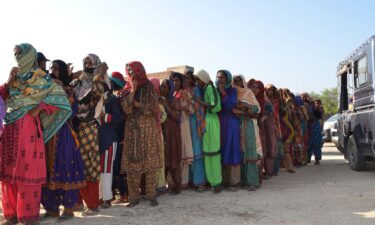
<point>356,160</point>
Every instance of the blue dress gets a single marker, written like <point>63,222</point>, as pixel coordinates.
<point>197,173</point>
<point>230,129</point>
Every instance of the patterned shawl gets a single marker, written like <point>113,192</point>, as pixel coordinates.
<point>31,88</point>
<point>246,95</point>
<point>199,112</point>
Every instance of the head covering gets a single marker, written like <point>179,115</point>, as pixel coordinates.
<point>135,71</point>
<point>245,94</point>
<point>156,83</point>
<point>298,100</point>
<point>26,60</point>
<point>229,78</point>
<point>95,60</point>
<point>171,88</point>
<point>24,96</point>
<point>179,76</point>
<point>203,76</point>
<point>40,57</point>
<point>117,78</point>
<point>260,95</point>
<point>63,72</point>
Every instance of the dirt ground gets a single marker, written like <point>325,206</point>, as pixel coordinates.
<point>326,194</point>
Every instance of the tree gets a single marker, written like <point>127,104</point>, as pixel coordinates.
<point>329,98</point>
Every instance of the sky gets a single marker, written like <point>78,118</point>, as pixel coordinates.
<point>290,43</point>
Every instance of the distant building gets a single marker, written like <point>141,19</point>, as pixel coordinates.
<point>165,74</point>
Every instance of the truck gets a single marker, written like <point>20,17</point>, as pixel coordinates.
<point>356,97</point>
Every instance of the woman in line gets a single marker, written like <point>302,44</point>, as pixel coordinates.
<point>229,130</point>
<point>119,180</point>
<point>185,107</point>
<point>247,109</point>
<point>141,153</point>
<point>65,168</point>
<point>274,96</point>
<point>160,117</point>
<point>36,109</point>
<point>87,126</point>
<point>287,130</point>
<point>109,113</point>
<point>172,136</point>
<point>197,128</point>
<point>211,138</point>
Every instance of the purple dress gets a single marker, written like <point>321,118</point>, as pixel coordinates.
<point>65,171</point>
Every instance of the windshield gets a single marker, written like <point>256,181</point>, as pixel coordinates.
<point>333,118</point>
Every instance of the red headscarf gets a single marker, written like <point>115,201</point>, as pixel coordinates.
<point>260,95</point>
<point>135,71</point>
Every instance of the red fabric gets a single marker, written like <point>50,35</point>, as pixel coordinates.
<point>22,156</point>
<point>48,108</point>
<point>260,95</point>
<point>21,201</point>
<point>4,91</point>
<point>90,194</point>
<point>138,74</point>
<point>118,75</point>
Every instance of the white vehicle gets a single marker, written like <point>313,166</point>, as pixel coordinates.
<point>330,130</point>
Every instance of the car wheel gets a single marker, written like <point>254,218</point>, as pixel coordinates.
<point>356,160</point>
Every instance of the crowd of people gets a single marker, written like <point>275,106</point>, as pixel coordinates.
<point>99,138</point>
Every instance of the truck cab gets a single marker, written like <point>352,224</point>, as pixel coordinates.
<point>356,124</point>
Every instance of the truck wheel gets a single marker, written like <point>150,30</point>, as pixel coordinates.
<point>356,160</point>
<point>339,147</point>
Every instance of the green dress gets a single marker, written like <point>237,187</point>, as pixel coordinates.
<point>249,168</point>
<point>211,138</point>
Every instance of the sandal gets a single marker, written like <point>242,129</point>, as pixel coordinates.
<point>10,221</point>
<point>106,204</point>
<point>90,212</point>
<point>154,202</point>
<point>131,205</point>
<point>48,215</point>
<point>200,189</point>
<point>122,199</point>
<point>251,188</point>
<point>291,171</point>
<point>217,189</point>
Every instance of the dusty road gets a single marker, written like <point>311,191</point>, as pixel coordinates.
<point>326,194</point>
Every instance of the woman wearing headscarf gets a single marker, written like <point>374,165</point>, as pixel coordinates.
<point>315,134</point>
<point>172,135</point>
<point>197,128</point>
<point>185,107</point>
<point>247,109</point>
<point>298,143</point>
<point>274,96</point>
<point>36,110</point>
<point>109,113</point>
<point>141,139</point>
<point>119,180</point>
<point>267,128</point>
<point>229,131</point>
<point>211,138</point>
<point>65,168</point>
<point>286,130</point>
<point>161,116</point>
<point>87,125</point>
